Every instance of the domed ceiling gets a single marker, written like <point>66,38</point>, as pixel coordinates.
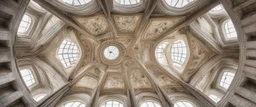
<point>128,50</point>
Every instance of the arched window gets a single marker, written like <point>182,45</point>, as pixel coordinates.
<point>217,8</point>
<point>112,103</point>
<point>178,53</point>
<point>229,30</point>
<point>183,104</point>
<point>127,2</point>
<point>76,2</point>
<point>150,104</point>
<point>39,97</point>
<point>226,79</point>
<point>68,53</point>
<point>160,52</point>
<point>27,77</point>
<point>74,104</point>
<point>178,3</point>
<point>214,98</point>
<point>24,24</point>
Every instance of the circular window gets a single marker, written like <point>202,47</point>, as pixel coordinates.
<point>111,52</point>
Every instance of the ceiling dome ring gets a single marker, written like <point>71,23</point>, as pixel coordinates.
<point>167,9</point>
<point>111,53</point>
<point>84,9</point>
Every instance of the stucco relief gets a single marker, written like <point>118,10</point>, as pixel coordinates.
<point>114,82</point>
<point>95,72</point>
<point>162,78</point>
<point>126,23</point>
<point>157,27</point>
<point>199,54</point>
<point>106,37</point>
<point>87,82</point>
<point>126,40</point>
<point>171,90</point>
<point>96,25</point>
<point>86,51</point>
<point>139,80</point>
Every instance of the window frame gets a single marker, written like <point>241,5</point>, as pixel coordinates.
<point>223,70</point>
<point>164,49</point>
<point>170,55</point>
<point>178,11</point>
<point>152,101</point>
<point>106,101</point>
<point>116,53</point>
<point>223,24</point>
<point>31,68</point>
<point>29,29</point>
<point>75,61</point>
<point>129,8</point>
<point>72,101</point>
<point>169,64</point>
<point>226,74</point>
<point>182,101</point>
<point>189,3</point>
<point>81,5</point>
<point>129,5</point>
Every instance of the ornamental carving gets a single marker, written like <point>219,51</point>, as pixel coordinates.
<point>199,54</point>
<point>126,23</point>
<point>87,82</point>
<point>95,72</point>
<point>157,27</point>
<point>139,80</point>
<point>171,90</point>
<point>162,78</point>
<point>95,25</point>
<point>114,82</point>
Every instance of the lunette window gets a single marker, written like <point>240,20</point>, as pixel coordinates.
<point>178,53</point>
<point>24,24</point>
<point>68,53</point>
<point>150,104</point>
<point>178,3</point>
<point>27,77</point>
<point>226,79</point>
<point>183,104</point>
<point>112,104</point>
<point>127,2</point>
<point>76,2</point>
<point>229,29</point>
<point>74,104</point>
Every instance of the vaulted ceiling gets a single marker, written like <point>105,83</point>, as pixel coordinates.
<point>104,50</point>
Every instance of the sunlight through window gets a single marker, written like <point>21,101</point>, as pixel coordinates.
<point>68,53</point>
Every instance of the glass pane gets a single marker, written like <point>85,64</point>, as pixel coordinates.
<point>76,2</point>
<point>24,24</point>
<point>178,52</point>
<point>68,53</point>
<point>27,77</point>
<point>230,32</point>
<point>178,3</point>
<point>127,2</point>
<point>111,52</point>
<point>112,104</point>
<point>74,104</point>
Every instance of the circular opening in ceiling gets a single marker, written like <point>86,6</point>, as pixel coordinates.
<point>111,52</point>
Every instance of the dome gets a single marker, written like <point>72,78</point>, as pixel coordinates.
<point>127,53</point>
